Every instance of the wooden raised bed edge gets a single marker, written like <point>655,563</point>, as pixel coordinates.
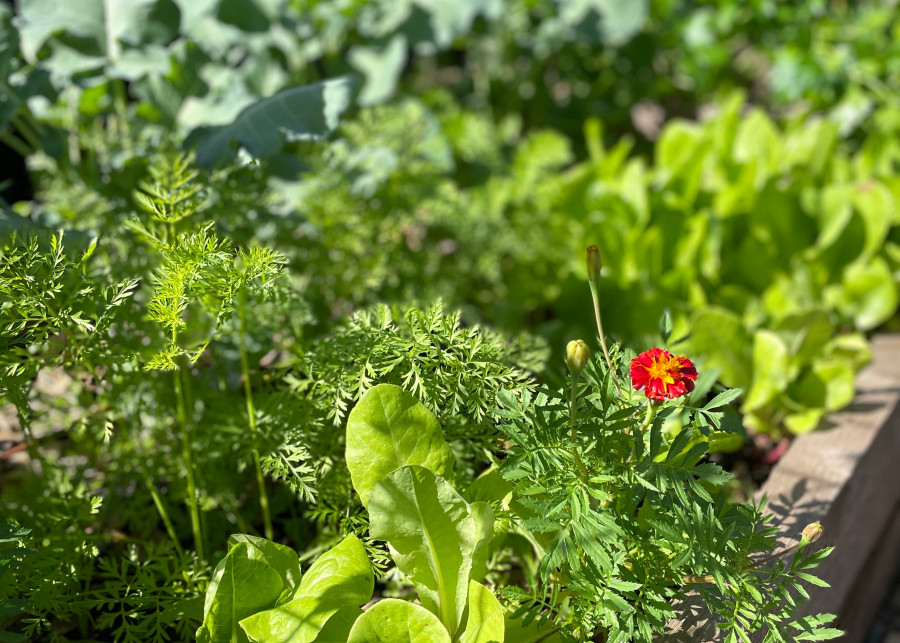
<point>847,476</point>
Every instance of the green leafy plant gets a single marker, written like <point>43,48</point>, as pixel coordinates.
<point>179,369</point>
<point>627,515</point>
<point>12,550</point>
<point>164,379</point>
<point>783,252</point>
<point>398,461</point>
<point>622,515</point>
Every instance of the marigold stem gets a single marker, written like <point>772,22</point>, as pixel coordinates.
<point>573,404</point>
<point>596,297</point>
<point>648,419</point>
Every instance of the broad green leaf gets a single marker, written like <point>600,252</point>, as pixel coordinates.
<point>483,515</point>
<point>725,442</point>
<point>809,146</point>
<point>806,334</point>
<point>850,347</point>
<point>834,213</point>
<point>720,337</point>
<point>828,385</point>
<point>240,586</point>
<point>485,623</point>
<point>771,369</point>
<point>679,157</point>
<point>396,621</point>
<point>283,560</point>
<point>12,637</point>
<point>876,205</point>
<point>296,113</point>
<point>867,295</point>
<point>758,142</point>
<point>803,422</point>
<point>388,429</point>
<point>676,144</point>
<point>619,20</point>
<point>432,537</point>
<point>337,628</point>
<point>96,27</point>
<point>340,578</point>
<point>380,67</point>
<point>490,486</point>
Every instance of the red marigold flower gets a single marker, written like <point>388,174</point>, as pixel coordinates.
<point>662,375</point>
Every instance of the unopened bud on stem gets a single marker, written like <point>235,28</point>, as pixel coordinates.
<point>593,264</point>
<point>811,533</point>
<point>577,356</point>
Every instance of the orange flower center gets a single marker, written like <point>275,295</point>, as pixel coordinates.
<point>662,369</point>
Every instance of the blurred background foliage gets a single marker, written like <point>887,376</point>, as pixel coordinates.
<point>735,162</point>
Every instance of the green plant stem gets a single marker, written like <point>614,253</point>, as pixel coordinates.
<point>120,102</point>
<point>26,132</point>
<point>161,509</point>
<point>596,297</point>
<point>188,455</point>
<point>648,419</point>
<point>251,416</point>
<point>16,144</point>
<point>573,404</point>
<point>548,634</point>
<point>32,121</point>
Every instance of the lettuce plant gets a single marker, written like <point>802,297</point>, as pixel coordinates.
<point>400,464</point>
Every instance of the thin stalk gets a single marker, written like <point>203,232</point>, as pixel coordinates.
<point>648,419</point>
<point>29,118</point>
<point>120,102</point>
<point>596,297</point>
<point>161,509</point>
<point>188,455</point>
<point>16,144</point>
<point>573,404</point>
<point>26,132</point>
<point>251,416</point>
<point>548,634</point>
<point>74,145</point>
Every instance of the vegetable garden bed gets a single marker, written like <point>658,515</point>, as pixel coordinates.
<point>846,477</point>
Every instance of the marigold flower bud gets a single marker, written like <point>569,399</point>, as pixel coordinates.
<point>812,532</point>
<point>577,355</point>
<point>593,264</point>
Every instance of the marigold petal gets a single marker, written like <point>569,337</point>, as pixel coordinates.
<point>662,375</point>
